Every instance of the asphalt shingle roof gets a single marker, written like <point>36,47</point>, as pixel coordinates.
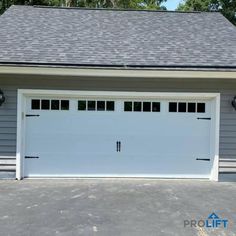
<point>116,38</point>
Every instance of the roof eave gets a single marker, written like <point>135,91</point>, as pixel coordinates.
<point>120,66</point>
<point>117,72</point>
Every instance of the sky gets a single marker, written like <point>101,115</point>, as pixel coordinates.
<point>172,4</point>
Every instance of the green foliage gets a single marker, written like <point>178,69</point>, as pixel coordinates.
<point>4,4</point>
<point>226,7</point>
<point>124,4</point>
<point>194,5</point>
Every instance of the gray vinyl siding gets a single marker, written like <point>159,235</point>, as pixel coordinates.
<point>8,124</point>
<point>227,127</point>
<point>226,88</point>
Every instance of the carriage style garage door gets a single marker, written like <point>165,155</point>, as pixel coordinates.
<point>105,137</point>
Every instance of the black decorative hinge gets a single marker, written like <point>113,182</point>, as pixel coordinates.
<point>203,159</point>
<point>29,115</point>
<point>31,157</point>
<point>204,118</point>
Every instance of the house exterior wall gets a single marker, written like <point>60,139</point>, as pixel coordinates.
<point>9,85</point>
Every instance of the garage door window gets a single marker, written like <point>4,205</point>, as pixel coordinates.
<point>35,104</point>
<point>156,107</point>
<point>147,106</point>
<point>182,107</point>
<point>172,106</point>
<point>100,105</point>
<point>65,105</point>
<point>135,106</point>
<point>55,104</point>
<point>45,104</point>
<point>189,107</point>
<point>201,107</point>
<point>110,105</point>
<point>82,106</point>
<point>91,105</point>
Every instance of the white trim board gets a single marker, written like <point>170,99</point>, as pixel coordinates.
<point>7,157</point>
<point>129,73</point>
<point>24,93</point>
<point>113,94</point>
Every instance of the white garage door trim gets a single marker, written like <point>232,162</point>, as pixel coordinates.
<point>23,94</point>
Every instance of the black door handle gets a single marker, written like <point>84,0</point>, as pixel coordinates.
<point>118,146</point>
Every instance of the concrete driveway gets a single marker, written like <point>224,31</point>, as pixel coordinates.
<point>115,207</point>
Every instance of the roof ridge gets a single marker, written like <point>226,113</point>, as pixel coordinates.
<point>113,9</point>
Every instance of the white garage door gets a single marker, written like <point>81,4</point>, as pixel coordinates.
<point>84,137</point>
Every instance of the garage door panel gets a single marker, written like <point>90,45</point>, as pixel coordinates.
<point>84,142</point>
<point>105,165</point>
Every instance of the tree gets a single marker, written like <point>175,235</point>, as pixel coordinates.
<point>194,5</point>
<point>226,7</point>
<point>4,4</point>
<point>124,4</point>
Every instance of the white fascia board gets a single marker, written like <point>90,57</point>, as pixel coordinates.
<point>116,94</point>
<point>130,73</point>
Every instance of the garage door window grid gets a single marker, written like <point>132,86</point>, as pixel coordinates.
<point>137,106</point>
<point>190,107</point>
<point>47,104</point>
<point>92,105</point>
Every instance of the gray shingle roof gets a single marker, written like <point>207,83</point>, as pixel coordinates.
<point>112,38</point>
